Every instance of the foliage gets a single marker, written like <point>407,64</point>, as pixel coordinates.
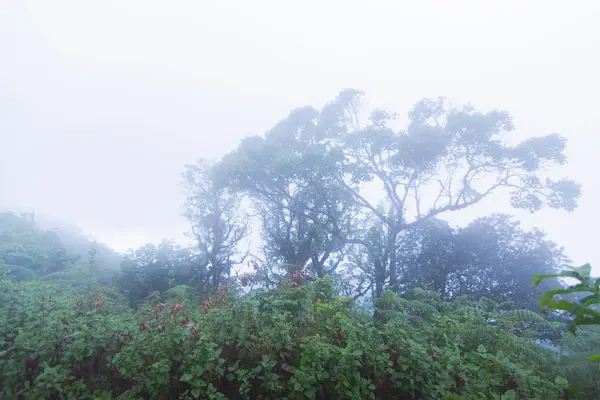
<point>290,177</point>
<point>491,257</point>
<point>31,251</point>
<point>307,178</point>
<point>351,297</point>
<point>28,251</point>
<point>217,224</point>
<point>584,311</point>
<point>293,342</point>
<point>158,268</point>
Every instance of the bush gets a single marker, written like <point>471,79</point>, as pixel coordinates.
<point>293,342</point>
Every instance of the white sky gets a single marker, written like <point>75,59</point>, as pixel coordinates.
<point>102,102</point>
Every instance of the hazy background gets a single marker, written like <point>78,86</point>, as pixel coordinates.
<point>103,102</point>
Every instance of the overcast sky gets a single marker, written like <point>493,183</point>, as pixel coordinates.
<point>103,102</point>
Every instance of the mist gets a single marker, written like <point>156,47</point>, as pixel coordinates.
<point>305,200</point>
<point>101,104</point>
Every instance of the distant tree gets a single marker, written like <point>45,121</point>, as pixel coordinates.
<point>305,214</point>
<point>458,155</point>
<point>78,244</point>
<point>427,258</point>
<point>368,257</point>
<point>216,221</point>
<point>308,177</point>
<point>158,268</point>
<point>493,257</point>
<point>27,250</point>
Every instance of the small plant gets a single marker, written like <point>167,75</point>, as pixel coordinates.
<point>582,312</point>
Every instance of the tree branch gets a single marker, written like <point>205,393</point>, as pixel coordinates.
<point>360,294</point>
<point>456,206</point>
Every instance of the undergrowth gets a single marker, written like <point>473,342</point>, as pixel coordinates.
<point>287,343</point>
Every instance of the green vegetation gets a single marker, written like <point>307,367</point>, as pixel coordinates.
<point>292,342</point>
<point>583,310</point>
<point>345,299</point>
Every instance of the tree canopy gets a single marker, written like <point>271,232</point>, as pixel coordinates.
<point>307,177</point>
<point>359,288</point>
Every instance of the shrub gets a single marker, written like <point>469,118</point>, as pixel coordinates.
<point>299,342</point>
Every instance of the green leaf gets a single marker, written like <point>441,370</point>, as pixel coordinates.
<point>585,270</point>
<point>559,380</point>
<point>481,349</point>
<point>595,357</point>
<point>186,377</point>
<point>590,300</point>
<point>509,395</point>
<point>538,278</point>
<point>297,386</point>
<point>563,274</point>
<point>196,393</point>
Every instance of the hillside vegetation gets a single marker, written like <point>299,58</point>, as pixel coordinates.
<point>345,299</point>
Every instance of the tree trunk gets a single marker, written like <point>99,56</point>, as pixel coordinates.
<point>392,255</point>
<point>379,282</point>
<point>378,286</point>
<point>318,267</point>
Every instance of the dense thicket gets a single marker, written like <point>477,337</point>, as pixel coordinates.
<point>348,296</point>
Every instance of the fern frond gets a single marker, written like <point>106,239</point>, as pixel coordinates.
<point>20,271</point>
<point>527,316</point>
<point>178,292</point>
<point>58,276</point>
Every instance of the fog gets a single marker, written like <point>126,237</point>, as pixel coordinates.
<point>102,103</point>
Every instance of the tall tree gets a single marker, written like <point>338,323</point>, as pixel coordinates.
<point>304,212</point>
<point>446,159</point>
<point>492,257</point>
<point>427,257</point>
<point>157,268</point>
<point>368,256</point>
<point>216,221</point>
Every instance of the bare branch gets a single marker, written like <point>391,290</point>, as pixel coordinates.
<point>459,206</point>
<point>362,293</point>
<point>417,201</point>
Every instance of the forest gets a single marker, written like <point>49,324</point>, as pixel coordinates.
<point>358,287</point>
